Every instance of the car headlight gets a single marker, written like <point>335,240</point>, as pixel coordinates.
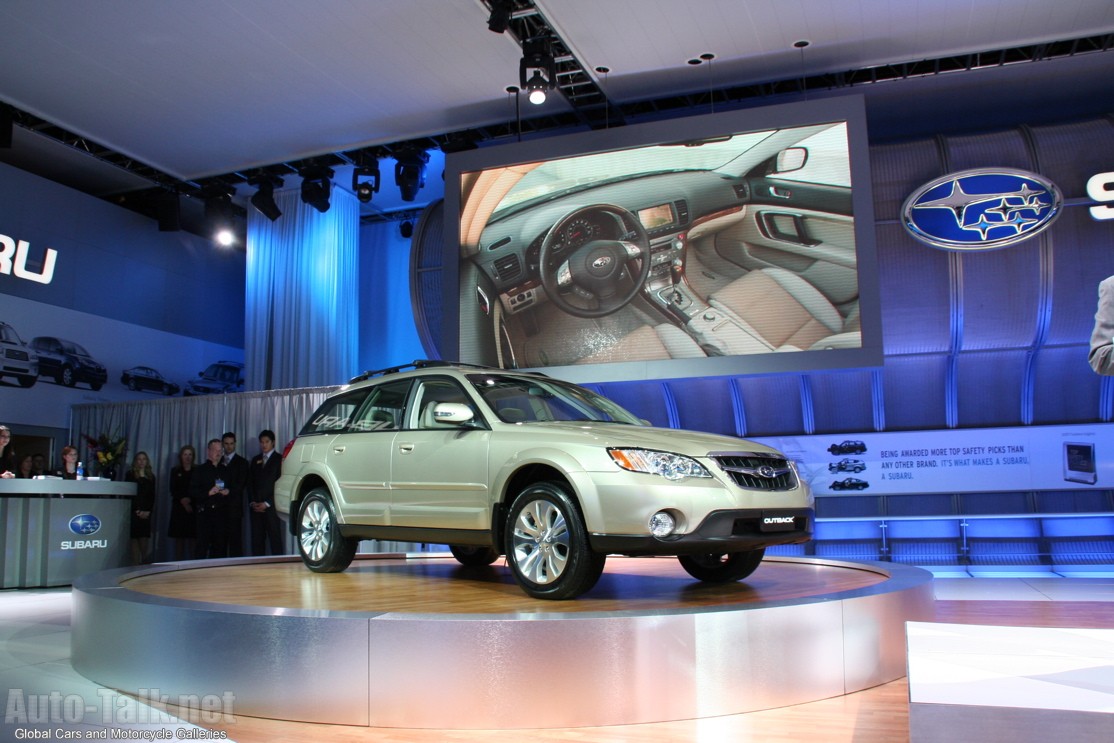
<point>668,465</point>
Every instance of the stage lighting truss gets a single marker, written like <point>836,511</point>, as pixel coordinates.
<point>537,57</point>
<point>365,182</point>
<point>264,198</point>
<point>410,172</point>
<point>500,16</point>
<point>316,186</point>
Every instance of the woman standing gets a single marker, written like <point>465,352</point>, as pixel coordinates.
<point>7,455</point>
<point>25,469</point>
<point>68,470</point>
<point>183,527</point>
<point>144,501</point>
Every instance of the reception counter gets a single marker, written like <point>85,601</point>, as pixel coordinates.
<point>56,530</point>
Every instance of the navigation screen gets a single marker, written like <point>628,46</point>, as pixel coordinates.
<point>656,216</point>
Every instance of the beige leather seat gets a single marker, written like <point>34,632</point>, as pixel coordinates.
<point>649,343</point>
<point>786,312</point>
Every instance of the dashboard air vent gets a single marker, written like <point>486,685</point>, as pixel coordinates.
<point>682,211</point>
<point>508,268</point>
<point>742,191</point>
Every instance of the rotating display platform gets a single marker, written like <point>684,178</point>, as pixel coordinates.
<point>423,642</point>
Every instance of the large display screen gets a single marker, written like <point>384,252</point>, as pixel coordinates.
<point>725,244</point>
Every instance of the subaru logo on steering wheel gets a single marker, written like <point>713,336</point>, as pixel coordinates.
<point>602,262</point>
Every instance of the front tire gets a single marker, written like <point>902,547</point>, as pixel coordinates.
<point>722,568</point>
<point>320,543</point>
<point>547,544</point>
<point>474,557</point>
<point>28,381</point>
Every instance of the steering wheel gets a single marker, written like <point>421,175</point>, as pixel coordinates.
<point>594,270</point>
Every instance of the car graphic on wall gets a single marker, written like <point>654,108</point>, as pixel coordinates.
<point>848,447</point>
<point>847,465</point>
<point>146,378</point>
<point>849,483</point>
<point>68,362</point>
<point>16,360</point>
<point>218,377</point>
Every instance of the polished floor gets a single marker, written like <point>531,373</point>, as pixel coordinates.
<point>43,692</point>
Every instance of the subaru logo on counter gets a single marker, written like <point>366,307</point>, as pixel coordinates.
<point>85,524</point>
<point>981,209</point>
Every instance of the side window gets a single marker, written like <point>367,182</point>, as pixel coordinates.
<point>429,393</point>
<point>336,413</point>
<point>383,410</point>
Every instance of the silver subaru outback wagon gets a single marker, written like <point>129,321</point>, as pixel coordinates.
<point>551,475</point>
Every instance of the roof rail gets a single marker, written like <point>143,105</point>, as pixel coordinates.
<point>416,364</point>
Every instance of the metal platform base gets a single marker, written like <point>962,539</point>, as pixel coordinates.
<point>693,651</point>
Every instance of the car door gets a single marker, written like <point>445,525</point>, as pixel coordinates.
<point>800,218</point>
<point>359,453</point>
<point>439,471</point>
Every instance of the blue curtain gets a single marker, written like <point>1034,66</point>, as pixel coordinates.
<point>301,314</point>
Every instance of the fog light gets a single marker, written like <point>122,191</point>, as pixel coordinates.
<point>662,524</point>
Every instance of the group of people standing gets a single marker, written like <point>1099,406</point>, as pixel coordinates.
<point>208,500</point>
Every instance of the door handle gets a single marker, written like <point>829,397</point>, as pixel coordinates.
<point>338,450</point>
<point>405,448</point>
<point>781,193</point>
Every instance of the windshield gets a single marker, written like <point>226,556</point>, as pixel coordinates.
<point>526,400</point>
<point>8,334</point>
<point>576,173</point>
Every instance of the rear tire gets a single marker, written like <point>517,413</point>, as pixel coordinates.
<point>547,544</point>
<point>474,557</point>
<point>320,543</point>
<point>722,568</point>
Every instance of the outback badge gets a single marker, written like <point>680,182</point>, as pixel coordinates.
<point>981,209</point>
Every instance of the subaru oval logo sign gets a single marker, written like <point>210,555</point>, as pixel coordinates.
<point>981,209</point>
<point>85,524</point>
<point>602,262</point>
<point>766,471</point>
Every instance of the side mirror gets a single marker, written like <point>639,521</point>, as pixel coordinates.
<point>790,159</point>
<point>452,412</point>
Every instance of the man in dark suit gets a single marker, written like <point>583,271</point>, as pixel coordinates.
<point>265,468</point>
<point>209,492</point>
<point>235,479</point>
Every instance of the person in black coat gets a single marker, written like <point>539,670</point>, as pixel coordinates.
<point>183,522</point>
<point>210,497</point>
<point>265,468</point>
<point>142,505</point>
<point>235,479</point>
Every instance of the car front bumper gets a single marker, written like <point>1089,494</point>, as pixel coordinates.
<point>736,530</point>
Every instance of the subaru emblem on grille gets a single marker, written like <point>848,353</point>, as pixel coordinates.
<point>766,471</point>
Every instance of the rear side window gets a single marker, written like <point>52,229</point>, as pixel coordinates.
<point>335,414</point>
<point>383,409</point>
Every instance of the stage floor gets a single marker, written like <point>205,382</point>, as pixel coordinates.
<point>422,642</point>
<point>441,585</point>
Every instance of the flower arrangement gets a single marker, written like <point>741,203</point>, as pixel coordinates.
<point>109,452</point>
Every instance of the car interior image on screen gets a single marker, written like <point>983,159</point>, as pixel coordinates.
<point>732,245</point>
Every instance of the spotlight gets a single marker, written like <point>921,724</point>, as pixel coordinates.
<point>406,228</point>
<point>365,189</point>
<point>536,56</point>
<point>218,206</point>
<point>500,15</point>
<point>410,172</point>
<point>264,198</point>
<point>316,186</point>
<point>536,88</point>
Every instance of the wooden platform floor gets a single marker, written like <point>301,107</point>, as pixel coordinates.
<point>441,585</point>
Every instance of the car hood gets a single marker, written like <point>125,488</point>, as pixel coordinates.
<point>691,443</point>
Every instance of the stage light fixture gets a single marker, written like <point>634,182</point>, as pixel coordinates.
<point>365,188</point>
<point>410,172</point>
<point>316,186</point>
<point>500,16</point>
<point>537,57</point>
<point>406,228</point>
<point>264,198</point>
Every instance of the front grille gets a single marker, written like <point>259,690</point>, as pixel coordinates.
<point>16,354</point>
<point>757,471</point>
